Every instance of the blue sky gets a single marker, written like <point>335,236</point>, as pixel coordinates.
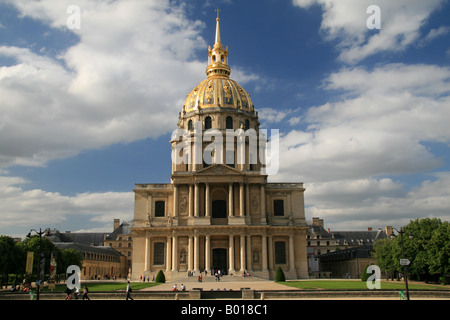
<point>87,113</point>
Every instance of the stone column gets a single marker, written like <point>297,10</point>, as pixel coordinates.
<point>147,253</point>
<point>197,200</point>
<point>241,199</point>
<point>196,253</point>
<point>270,249</point>
<point>230,199</point>
<point>263,205</point>
<point>168,254</point>
<point>291,253</point>
<point>191,200</point>
<point>249,253</point>
<point>247,199</point>
<point>174,253</point>
<point>264,253</point>
<point>207,253</point>
<point>207,201</point>
<point>242,243</point>
<point>175,200</point>
<point>191,254</point>
<point>231,254</point>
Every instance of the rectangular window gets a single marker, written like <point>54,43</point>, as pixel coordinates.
<point>280,252</point>
<point>278,207</point>
<point>158,253</point>
<point>160,208</point>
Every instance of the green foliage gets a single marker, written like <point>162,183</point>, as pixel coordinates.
<point>428,250</point>
<point>13,257</point>
<point>365,275</point>
<point>279,275</point>
<point>67,258</point>
<point>160,277</point>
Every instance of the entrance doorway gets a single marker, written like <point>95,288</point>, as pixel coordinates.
<point>220,260</point>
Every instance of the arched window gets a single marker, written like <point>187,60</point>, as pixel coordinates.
<point>208,124</point>
<point>190,125</point>
<point>247,124</point>
<point>229,123</point>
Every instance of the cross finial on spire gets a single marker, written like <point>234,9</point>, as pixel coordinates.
<point>217,27</point>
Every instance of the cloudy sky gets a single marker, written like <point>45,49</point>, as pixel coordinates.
<point>90,92</point>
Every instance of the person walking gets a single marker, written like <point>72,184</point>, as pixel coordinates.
<point>85,293</point>
<point>129,290</point>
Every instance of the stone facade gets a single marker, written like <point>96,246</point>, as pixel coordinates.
<point>221,213</point>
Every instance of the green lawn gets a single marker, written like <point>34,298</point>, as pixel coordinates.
<point>355,285</point>
<point>106,286</point>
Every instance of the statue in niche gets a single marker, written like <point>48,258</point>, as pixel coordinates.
<point>183,204</point>
<point>183,255</point>
<point>256,256</point>
<point>255,202</point>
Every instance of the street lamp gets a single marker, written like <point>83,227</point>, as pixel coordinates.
<point>39,233</point>
<point>401,232</point>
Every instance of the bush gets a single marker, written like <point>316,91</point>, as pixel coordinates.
<point>160,278</point>
<point>279,275</point>
<point>365,275</point>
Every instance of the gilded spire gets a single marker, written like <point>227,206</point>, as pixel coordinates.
<point>218,57</point>
<point>217,27</point>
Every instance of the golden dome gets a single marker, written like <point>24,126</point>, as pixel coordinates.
<point>218,90</point>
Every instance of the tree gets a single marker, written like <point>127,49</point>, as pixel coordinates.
<point>11,257</point>
<point>439,251</point>
<point>428,250</point>
<point>160,277</point>
<point>279,275</point>
<point>385,252</point>
<point>67,258</point>
<point>37,244</point>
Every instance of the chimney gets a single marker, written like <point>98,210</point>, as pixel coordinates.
<point>389,230</point>
<point>116,224</point>
<point>315,221</point>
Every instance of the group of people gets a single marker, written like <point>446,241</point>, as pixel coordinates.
<point>76,293</point>
<point>182,287</point>
<point>25,287</point>
<point>144,278</point>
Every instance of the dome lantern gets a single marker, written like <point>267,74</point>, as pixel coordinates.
<point>218,57</point>
<point>218,90</point>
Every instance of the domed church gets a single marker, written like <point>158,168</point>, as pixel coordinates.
<point>219,212</point>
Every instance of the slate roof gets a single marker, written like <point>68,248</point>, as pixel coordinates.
<point>87,248</point>
<point>123,229</point>
<point>85,238</point>
<point>364,251</point>
<point>89,238</point>
<point>358,237</point>
<point>348,237</point>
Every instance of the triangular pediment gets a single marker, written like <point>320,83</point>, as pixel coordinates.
<point>219,169</point>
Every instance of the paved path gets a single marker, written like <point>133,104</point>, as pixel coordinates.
<point>226,282</point>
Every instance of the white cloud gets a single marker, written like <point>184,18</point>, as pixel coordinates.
<point>377,205</point>
<point>436,33</point>
<point>21,209</point>
<point>378,127</point>
<point>345,21</point>
<point>121,82</point>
